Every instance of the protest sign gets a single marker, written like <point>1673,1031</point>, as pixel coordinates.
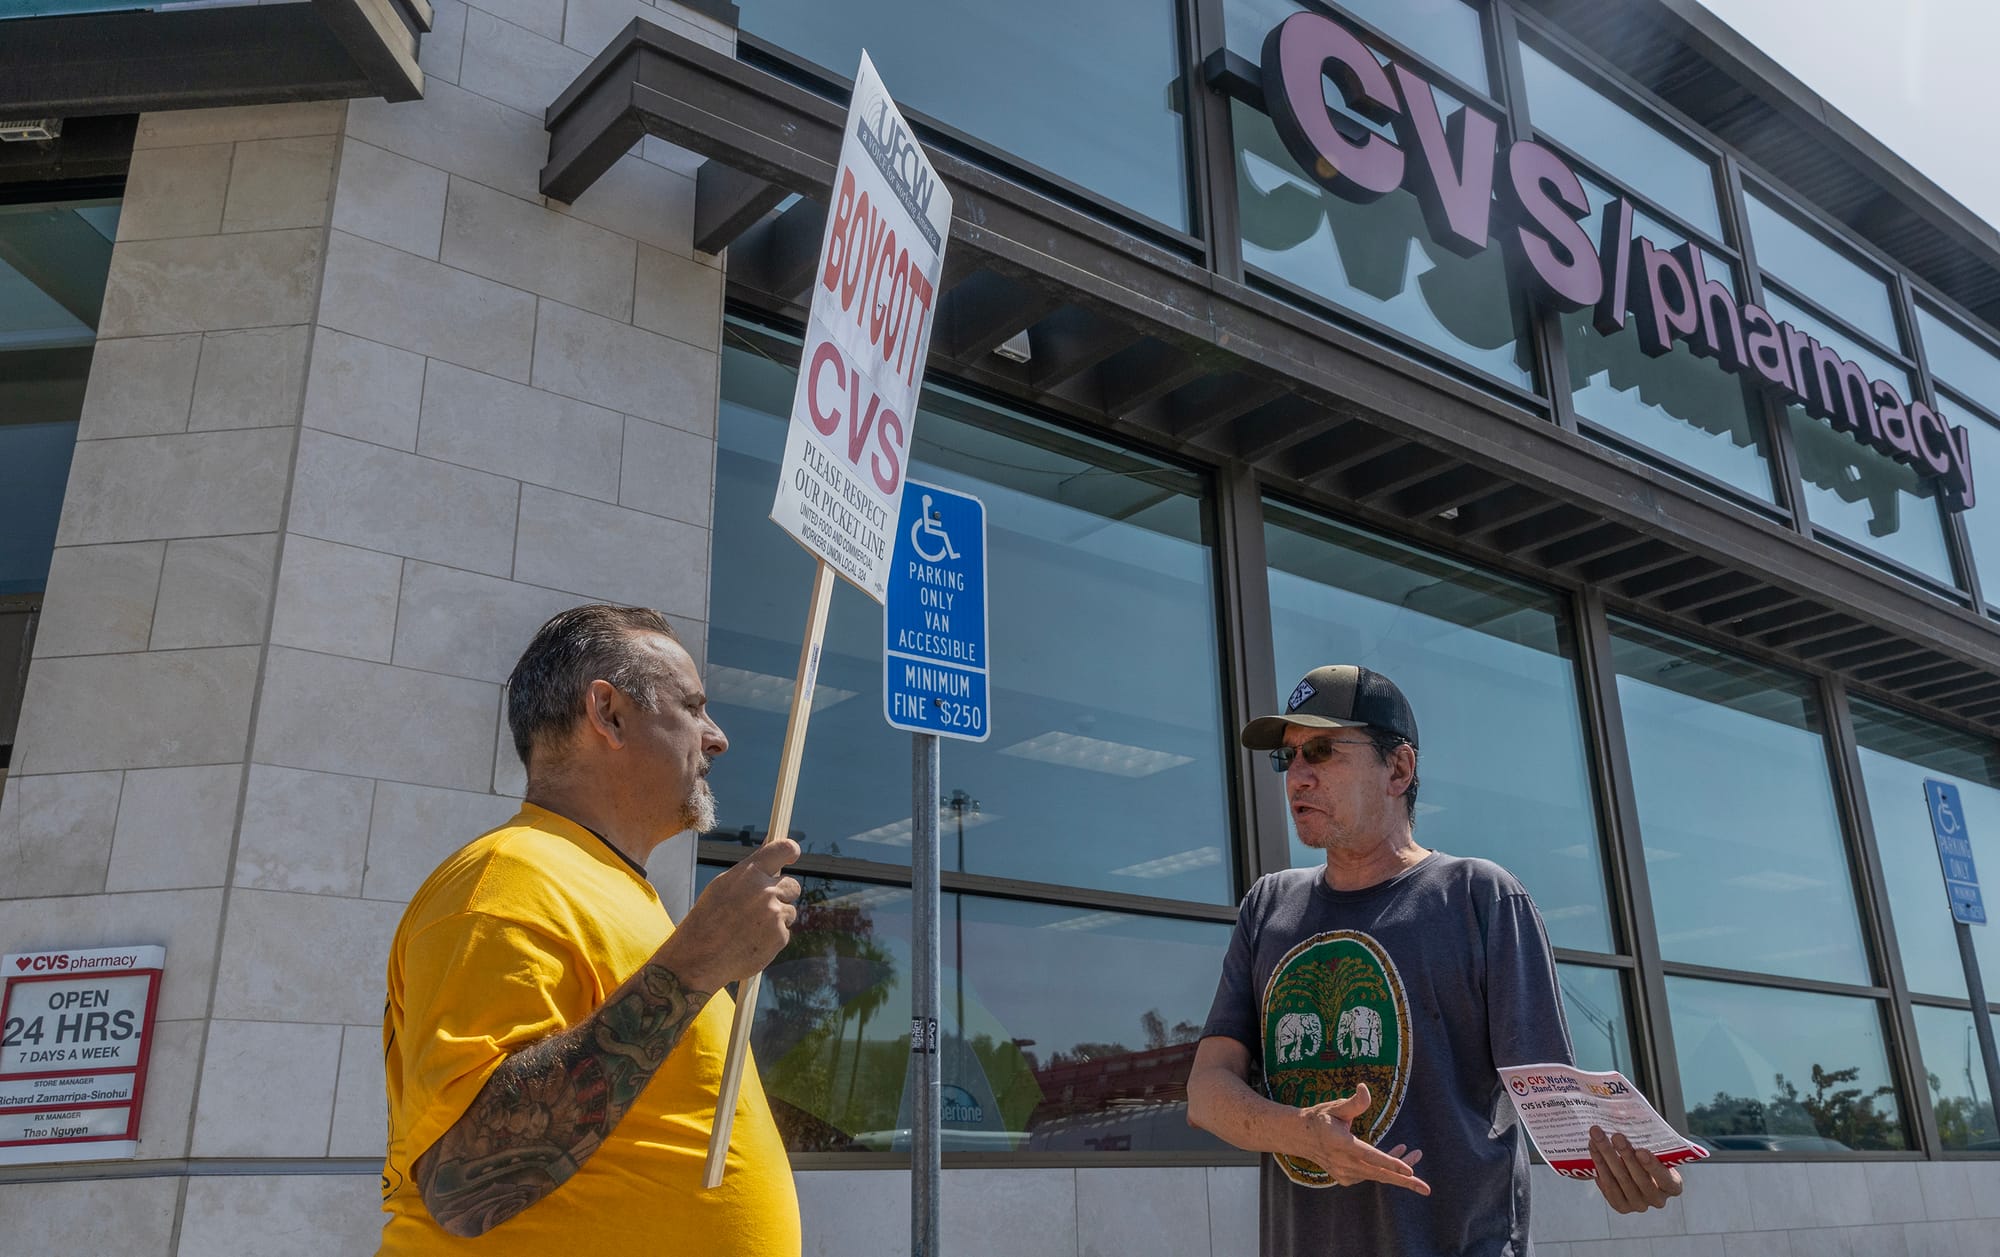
<point>875,292</point>
<point>840,487</point>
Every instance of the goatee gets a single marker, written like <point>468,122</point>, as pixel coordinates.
<point>698,813</point>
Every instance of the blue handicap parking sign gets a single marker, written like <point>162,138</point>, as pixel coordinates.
<point>934,664</point>
<point>1954,844</point>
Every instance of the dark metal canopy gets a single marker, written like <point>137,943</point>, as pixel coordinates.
<point>89,64</point>
<point>1132,338</point>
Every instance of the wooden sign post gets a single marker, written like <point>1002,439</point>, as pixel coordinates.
<point>840,487</point>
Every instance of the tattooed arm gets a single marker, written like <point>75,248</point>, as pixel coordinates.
<point>549,1106</point>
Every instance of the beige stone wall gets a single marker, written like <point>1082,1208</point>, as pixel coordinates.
<point>366,409</point>
<point>119,825</point>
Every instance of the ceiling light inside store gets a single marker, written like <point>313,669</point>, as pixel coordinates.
<point>1776,881</point>
<point>1088,921</point>
<point>897,833</point>
<point>1168,865</point>
<point>868,897</point>
<point>1099,756</point>
<point>760,691</point>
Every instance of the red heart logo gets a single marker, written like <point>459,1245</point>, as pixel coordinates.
<point>20,962</point>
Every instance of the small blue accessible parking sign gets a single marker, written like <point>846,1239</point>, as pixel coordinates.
<point>934,665</point>
<point>1954,844</point>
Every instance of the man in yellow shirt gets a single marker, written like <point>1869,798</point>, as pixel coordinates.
<point>553,1043</point>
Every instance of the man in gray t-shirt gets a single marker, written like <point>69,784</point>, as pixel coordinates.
<point>1375,998</point>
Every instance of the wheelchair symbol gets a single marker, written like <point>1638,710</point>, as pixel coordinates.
<point>1947,818</point>
<point>928,525</point>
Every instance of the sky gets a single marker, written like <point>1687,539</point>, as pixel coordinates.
<point>1917,74</point>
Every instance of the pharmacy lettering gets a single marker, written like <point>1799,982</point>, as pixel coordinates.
<point>1456,167</point>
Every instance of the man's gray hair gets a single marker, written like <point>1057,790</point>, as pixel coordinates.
<point>584,644</point>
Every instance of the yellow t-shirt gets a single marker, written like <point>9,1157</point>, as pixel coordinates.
<point>520,935</point>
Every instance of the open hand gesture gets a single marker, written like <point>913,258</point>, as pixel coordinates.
<point>1348,1160</point>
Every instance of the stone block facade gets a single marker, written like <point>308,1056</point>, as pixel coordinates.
<point>366,409</point>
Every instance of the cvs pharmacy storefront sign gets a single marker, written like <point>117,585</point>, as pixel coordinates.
<point>1463,178</point>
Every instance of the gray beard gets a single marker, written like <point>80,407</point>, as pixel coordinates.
<point>698,813</point>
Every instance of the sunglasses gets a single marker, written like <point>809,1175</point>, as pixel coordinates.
<point>1315,752</point>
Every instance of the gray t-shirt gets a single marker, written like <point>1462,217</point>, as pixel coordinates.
<point>1419,986</point>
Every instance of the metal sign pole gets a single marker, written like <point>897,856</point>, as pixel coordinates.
<point>926,1107</point>
<point>1968,908</point>
<point>1982,1019</point>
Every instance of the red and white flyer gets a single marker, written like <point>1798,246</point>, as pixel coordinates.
<point>1560,1103</point>
<point>76,1028</point>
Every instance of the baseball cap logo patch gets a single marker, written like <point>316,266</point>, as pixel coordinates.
<point>1300,695</point>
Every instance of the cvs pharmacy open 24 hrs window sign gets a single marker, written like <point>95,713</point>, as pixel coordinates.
<point>76,1028</point>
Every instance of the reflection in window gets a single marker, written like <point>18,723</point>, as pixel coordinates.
<point>48,8</point>
<point>1966,368</point>
<point>1066,1029</point>
<point>1853,489</point>
<point>1620,143</point>
<point>1446,32</point>
<point>1982,522</point>
<point>1869,498</point>
<point>1088,92</point>
<point>1956,1078</point>
<point>1957,359</point>
<point>1375,260</point>
<point>1743,846</point>
<point>1898,751</point>
<point>1783,1071</point>
<point>1487,667</point>
<point>1793,254</point>
<point>1684,407</point>
<point>1594,1005</point>
<point>1100,584</point>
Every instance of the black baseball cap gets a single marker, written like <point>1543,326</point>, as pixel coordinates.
<point>1337,696</point>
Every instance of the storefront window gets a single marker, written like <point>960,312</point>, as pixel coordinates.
<point>1620,143</point>
<point>1852,489</point>
<point>1105,767</point>
<point>1982,520</point>
<point>49,8</point>
<point>1821,272</point>
<point>53,260</point>
<point>1488,666</point>
<point>1744,851</point>
<point>1957,359</point>
<point>1765,1070</point>
<point>1956,1077</point>
<point>1091,93</point>
<point>48,325</point>
<point>1898,752</point>
<point>1376,260</point>
<point>1676,405</point>
<point>1445,32</point>
<point>1964,368</point>
<point>1064,1029</point>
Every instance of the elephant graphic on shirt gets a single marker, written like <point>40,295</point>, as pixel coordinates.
<point>1295,1032</point>
<point>1359,1032</point>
